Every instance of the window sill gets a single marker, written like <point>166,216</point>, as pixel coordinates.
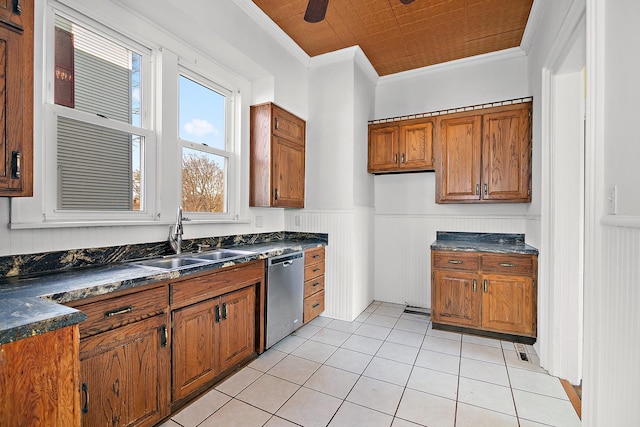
<point>112,223</point>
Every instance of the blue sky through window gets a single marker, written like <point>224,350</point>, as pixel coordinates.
<point>201,114</point>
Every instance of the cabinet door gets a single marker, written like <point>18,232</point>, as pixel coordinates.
<point>39,380</point>
<point>194,335</point>
<point>455,298</point>
<point>124,375</point>
<point>383,149</point>
<point>9,13</point>
<point>506,154</point>
<point>288,174</point>
<point>507,304</point>
<point>237,327</point>
<point>460,149</point>
<point>416,146</point>
<point>16,99</point>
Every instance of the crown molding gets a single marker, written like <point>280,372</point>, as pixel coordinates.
<point>514,52</point>
<point>354,53</point>
<point>535,16</point>
<point>261,18</point>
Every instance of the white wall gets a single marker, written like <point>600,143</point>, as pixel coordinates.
<point>612,270</point>
<point>406,215</point>
<point>339,197</point>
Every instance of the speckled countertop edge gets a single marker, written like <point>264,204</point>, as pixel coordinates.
<point>34,305</point>
<point>482,242</point>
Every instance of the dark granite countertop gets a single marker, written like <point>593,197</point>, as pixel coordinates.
<point>482,242</point>
<point>33,304</point>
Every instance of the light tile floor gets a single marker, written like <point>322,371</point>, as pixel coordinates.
<point>387,368</point>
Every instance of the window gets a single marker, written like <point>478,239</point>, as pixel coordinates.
<point>207,155</point>
<point>100,132</point>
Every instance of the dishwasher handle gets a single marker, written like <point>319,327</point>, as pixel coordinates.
<point>286,260</point>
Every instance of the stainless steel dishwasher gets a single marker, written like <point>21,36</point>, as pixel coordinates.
<point>285,294</point>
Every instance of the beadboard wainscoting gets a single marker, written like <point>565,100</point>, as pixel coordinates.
<point>612,336</point>
<point>348,256</point>
<point>402,254</point>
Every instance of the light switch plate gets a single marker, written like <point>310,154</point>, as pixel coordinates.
<point>259,221</point>
<point>298,220</point>
<point>612,200</point>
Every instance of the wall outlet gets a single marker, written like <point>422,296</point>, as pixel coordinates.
<point>259,221</point>
<point>612,200</point>
<point>298,220</point>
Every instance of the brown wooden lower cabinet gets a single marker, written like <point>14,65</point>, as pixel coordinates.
<point>39,380</point>
<point>125,358</point>
<point>314,267</point>
<point>217,330</point>
<point>210,337</point>
<point>124,375</point>
<point>487,292</point>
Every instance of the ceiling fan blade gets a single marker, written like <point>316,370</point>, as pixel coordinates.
<point>316,10</point>
<point>406,1</point>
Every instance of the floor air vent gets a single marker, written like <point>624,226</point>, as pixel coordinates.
<point>522,352</point>
<point>417,310</point>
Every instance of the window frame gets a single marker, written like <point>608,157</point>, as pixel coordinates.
<point>52,111</point>
<point>230,151</point>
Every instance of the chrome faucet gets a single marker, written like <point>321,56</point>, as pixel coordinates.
<point>175,233</point>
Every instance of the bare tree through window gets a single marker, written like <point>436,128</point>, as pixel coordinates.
<point>202,183</point>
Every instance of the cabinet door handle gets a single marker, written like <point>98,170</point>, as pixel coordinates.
<point>224,311</point>
<point>276,195</point>
<point>17,8</point>
<point>395,158</point>
<point>475,285</point>
<point>486,189</point>
<point>455,261</point>
<point>507,264</point>
<point>316,305</point>
<point>217,314</point>
<point>316,256</point>
<point>315,284</point>
<point>402,158</point>
<point>477,189</point>
<point>85,391</point>
<point>118,311</point>
<point>315,270</point>
<point>15,166</point>
<point>163,336</point>
<point>485,286</point>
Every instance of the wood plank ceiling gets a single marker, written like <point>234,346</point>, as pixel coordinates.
<point>397,37</point>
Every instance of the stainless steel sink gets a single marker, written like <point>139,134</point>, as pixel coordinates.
<point>221,254</point>
<point>193,259</point>
<point>171,263</point>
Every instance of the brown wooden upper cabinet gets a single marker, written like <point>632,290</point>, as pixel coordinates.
<point>16,98</point>
<point>484,155</point>
<point>405,146</point>
<point>277,153</point>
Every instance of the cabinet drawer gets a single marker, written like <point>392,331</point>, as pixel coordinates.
<point>288,126</point>
<point>118,311</point>
<point>313,306</point>
<point>313,271</point>
<point>313,256</point>
<point>507,264</point>
<point>313,286</point>
<point>456,260</point>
